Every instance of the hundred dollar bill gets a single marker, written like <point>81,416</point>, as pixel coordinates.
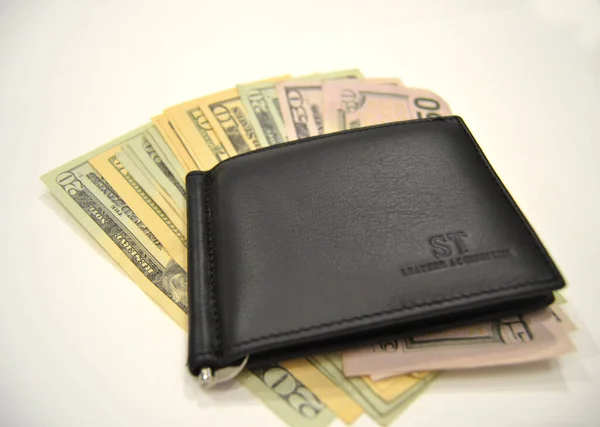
<point>382,410</point>
<point>165,224</point>
<point>116,227</point>
<point>301,102</point>
<point>264,112</point>
<point>353,104</point>
<point>197,134</point>
<point>175,143</point>
<point>516,339</point>
<point>228,117</point>
<point>157,166</point>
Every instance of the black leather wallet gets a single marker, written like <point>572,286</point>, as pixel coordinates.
<point>353,238</point>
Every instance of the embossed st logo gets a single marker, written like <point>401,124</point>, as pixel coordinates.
<point>444,245</point>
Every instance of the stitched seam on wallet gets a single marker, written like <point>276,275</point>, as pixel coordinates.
<point>211,267</point>
<point>439,301</point>
<point>412,306</point>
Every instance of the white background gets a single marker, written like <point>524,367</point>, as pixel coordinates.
<point>82,346</point>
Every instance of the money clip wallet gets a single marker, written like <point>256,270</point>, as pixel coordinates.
<point>352,238</point>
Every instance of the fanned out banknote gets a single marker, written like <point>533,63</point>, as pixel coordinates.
<point>351,103</point>
<point>129,194</point>
<point>96,203</point>
<point>512,340</point>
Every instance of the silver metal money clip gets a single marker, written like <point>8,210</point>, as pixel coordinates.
<point>209,378</point>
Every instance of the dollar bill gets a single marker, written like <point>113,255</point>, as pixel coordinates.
<point>137,171</point>
<point>158,150</point>
<point>197,135</point>
<point>301,102</point>
<point>264,111</point>
<point>173,233</point>
<point>325,389</point>
<point>158,168</point>
<point>227,115</point>
<point>382,410</point>
<point>287,396</point>
<point>353,104</point>
<point>175,143</point>
<point>165,224</point>
<point>137,182</point>
<point>117,228</point>
<point>392,388</point>
<point>301,108</point>
<point>515,339</point>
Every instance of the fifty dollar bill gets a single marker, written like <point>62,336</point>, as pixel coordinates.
<point>350,104</point>
<point>301,103</point>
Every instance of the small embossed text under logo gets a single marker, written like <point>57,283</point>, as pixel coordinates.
<point>450,250</point>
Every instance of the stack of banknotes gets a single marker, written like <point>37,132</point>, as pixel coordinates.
<point>130,195</point>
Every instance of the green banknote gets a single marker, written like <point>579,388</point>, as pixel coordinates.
<point>98,206</point>
<point>159,160</point>
<point>264,112</point>
<point>287,396</point>
<point>381,410</point>
<point>150,183</point>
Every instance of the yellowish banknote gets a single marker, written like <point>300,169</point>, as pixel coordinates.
<point>153,183</point>
<point>148,184</point>
<point>118,229</point>
<point>158,159</point>
<point>325,389</point>
<point>175,143</point>
<point>392,388</point>
<point>165,224</point>
<point>197,134</point>
<point>382,406</point>
<point>227,115</point>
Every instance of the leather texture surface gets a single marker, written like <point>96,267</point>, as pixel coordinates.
<point>353,237</point>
